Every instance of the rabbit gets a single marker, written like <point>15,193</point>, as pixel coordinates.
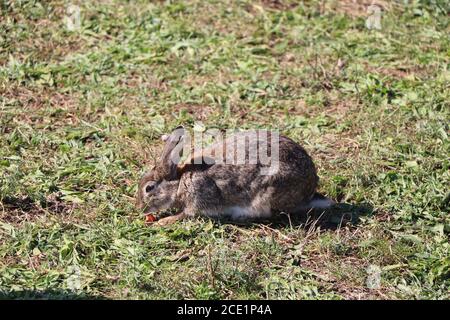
<point>201,185</point>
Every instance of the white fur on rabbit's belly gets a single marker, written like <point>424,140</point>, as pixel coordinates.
<point>258,208</point>
<point>241,213</point>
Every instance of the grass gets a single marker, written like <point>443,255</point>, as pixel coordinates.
<point>81,113</point>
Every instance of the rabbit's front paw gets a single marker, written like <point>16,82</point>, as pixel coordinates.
<point>169,220</point>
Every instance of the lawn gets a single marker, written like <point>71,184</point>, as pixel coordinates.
<point>82,110</point>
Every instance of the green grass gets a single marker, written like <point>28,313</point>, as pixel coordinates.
<point>81,113</point>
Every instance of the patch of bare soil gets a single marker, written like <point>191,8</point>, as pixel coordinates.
<point>36,97</point>
<point>398,73</point>
<point>16,210</point>
<point>279,4</point>
<point>197,111</point>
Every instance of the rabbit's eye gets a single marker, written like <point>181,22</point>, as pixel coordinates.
<point>149,188</point>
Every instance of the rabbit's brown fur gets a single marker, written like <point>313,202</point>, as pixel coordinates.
<point>238,191</point>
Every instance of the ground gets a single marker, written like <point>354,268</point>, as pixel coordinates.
<point>82,111</point>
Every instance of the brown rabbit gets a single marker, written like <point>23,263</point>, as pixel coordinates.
<point>202,185</point>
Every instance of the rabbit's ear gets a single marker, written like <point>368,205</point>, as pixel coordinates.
<point>172,154</point>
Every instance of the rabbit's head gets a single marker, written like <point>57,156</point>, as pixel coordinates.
<point>158,187</point>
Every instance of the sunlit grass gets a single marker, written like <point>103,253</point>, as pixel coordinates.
<point>81,113</point>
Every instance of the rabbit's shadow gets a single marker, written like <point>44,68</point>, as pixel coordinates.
<point>340,214</point>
